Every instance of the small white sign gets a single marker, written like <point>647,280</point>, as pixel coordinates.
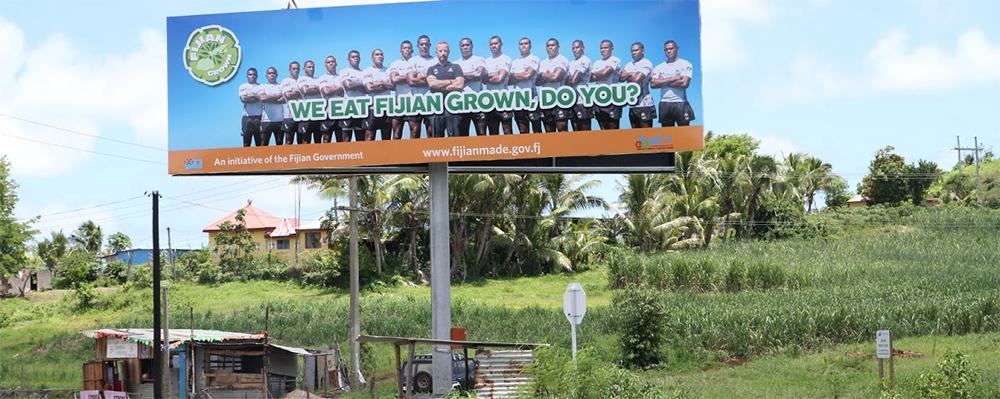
<point>121,349</point>
<point>883,347</point>
<point>575,303</point>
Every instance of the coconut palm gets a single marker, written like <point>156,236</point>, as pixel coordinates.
<point>88,237</point>
<point>408,204</point>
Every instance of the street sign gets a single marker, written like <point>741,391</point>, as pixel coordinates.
<point>574,307</point>
<point>882,347</point>
<point>575,303</point>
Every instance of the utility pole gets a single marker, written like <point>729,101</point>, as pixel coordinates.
<point>157,341</point>
<point>975,149</point>
<point>170,257</point>
<point>166,340</point>
<point>355,379</point>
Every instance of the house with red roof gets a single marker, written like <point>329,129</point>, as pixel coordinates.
<point>286,237</point>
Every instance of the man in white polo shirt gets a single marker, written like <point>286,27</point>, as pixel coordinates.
<point>352,78</point>
<point>498,72</point>
<point>252,108</point>
<point>474,69</point>
<point>579,75</point>
<point>606,71</point>
<point>308,131</point>
<point>273,112</point>
<point>377,83</point>
<point>417,78</point>
<point>330,86</point>
<point>523,72</point>
<point>552,73</point>
<point>290,88</point>
<point>673,77</point>
<point>638,71</point>
<point>397,74</point>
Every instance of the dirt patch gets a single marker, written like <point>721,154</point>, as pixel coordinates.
<point>735,361</point>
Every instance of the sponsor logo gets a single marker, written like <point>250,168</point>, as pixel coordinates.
<point>193,163</point>
<point>212,54</point>
<point>643,142</point>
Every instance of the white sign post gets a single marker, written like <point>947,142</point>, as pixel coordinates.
<point>575,307</point>
<point>121,349</point>
<point>883,350</point>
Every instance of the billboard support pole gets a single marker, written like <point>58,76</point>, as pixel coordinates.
<point>440,277</point>
<point>355,379</point>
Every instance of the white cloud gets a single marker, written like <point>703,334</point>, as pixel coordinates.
<point>721,42</point>
<point>55,83</point>
<point>897,67</point>
<point>892,65</point>
<point>775,146</point>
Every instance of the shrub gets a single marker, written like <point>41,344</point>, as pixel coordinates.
<point>321,268</point>
<point>624,268</point>
<point>77,267</point>
<point>763,275</point>
<point>736,276</point>
<point>84,296</point>
<point>556,377</point>
<point>703,274</point>
<point>682,272</point>
<point>953,378</point>
<point>641,321</point>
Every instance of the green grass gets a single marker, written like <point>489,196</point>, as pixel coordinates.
<point>928,273</point>
<point>846,371</point>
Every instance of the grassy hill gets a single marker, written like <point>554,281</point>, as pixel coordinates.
<point>932,277</point>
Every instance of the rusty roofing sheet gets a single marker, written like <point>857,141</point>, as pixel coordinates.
<point>145,335</point>
<point>500,374</point>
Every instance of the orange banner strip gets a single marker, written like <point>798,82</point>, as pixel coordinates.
<point>449,149</point>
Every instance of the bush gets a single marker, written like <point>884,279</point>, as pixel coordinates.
<point>736,276</point>
<point>682,272</point>
<point>554,376</point>
<point>953,378</point>
<point>84,296</point>
<point>641,319</point>
<point>763,276</point>
<point>116,271</point>
<point>321,268</point>
<point>77,267</point>
<point>625,269</point>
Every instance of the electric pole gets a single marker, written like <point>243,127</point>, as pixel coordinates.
<point>157,338</point>
<point>975,149</point>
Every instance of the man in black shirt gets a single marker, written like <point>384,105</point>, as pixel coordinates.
<point>445,77</point>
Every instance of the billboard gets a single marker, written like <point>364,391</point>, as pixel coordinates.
<point>507,85</point>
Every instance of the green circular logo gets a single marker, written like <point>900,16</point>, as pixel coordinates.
<point>212,54</point>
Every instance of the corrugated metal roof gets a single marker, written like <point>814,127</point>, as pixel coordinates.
<point>145,335</point>
<point>500,374</point>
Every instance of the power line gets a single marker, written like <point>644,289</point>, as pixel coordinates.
<point>79,132</point>
<point>81,149</point>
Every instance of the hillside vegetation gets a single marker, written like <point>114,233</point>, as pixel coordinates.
<point>919,272</point>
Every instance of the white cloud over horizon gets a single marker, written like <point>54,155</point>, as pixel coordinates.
<point>55,83</point>
<point>892,65</point>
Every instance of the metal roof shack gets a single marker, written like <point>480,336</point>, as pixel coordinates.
<point>203,363</point>
<point>498,373</point>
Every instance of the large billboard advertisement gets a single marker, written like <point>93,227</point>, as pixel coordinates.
<point>465,82</point>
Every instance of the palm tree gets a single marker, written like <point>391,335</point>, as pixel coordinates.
<point>88,237</point>
<point>815,175</point>
<point>758,176</point>
<point>51,250</point>
<point>408,204</point>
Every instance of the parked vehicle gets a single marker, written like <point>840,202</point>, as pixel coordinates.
<point>423,377</point>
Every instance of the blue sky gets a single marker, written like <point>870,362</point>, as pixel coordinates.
<point>834,78</point>
<point>203,116</point>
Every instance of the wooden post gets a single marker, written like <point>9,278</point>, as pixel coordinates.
<point>892,370</point>
<point>399,373</point>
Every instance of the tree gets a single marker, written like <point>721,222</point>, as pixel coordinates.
<point>13,234</point>
<point>836,192</point>
<point>88,237</point>
<point>51,250</point>
<point>235,247</point>
<point>922,176</point>
<point>118,242</point>
<point>885,182</point>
